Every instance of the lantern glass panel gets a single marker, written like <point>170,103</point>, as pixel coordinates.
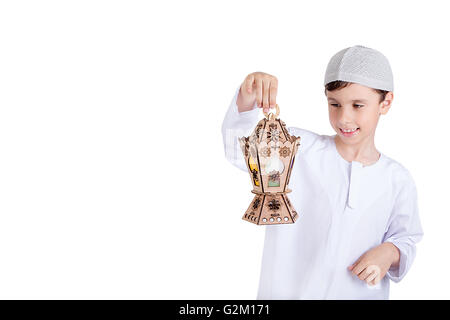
<point>254,169</point>
<point>274,179</point>
<point>273,164</point>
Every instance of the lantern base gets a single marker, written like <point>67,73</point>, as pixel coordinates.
<point>269,209</point>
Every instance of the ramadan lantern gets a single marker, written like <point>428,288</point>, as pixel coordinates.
<point>269,153</point>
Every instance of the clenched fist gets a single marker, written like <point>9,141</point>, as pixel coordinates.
<point>260,87</point>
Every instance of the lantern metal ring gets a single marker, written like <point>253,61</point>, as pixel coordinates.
<point>271,116</point>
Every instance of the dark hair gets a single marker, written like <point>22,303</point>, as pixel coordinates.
<point>338,84</point>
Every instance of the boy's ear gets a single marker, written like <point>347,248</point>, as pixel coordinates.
<point>386,103</point>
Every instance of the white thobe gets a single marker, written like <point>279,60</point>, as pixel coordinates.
<point>345,209</point>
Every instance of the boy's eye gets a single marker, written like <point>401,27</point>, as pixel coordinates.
<point>356,105</point>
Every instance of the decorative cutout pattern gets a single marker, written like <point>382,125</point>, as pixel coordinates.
<point>285,152</point>
<point>265,152</point>
<point>274,204</point>
<point>258,130</point>
<point>273,134</point>
<point>256,203</point>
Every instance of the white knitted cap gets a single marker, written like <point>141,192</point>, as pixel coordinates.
<point>362,65</point>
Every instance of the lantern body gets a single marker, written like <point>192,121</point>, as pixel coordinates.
<point>269,153</point>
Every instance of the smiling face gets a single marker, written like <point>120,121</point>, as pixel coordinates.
<point>354,112</point>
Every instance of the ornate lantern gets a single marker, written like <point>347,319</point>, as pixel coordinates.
<point>269,154</point>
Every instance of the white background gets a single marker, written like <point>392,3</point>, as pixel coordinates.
<point>113,180</point>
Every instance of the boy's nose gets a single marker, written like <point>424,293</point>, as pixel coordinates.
<point>345,117</point>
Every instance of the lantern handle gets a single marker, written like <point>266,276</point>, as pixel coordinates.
<point>274,116</point>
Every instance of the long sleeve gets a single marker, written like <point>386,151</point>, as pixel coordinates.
<point>404,228</point>
<point>237,124</point>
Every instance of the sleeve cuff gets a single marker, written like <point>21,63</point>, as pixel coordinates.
<point>397,273</point>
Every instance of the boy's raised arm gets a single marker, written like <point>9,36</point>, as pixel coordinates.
<point>237,124</point>
<point>258,90</point>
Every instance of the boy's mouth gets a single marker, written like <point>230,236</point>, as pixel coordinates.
<point>349,132</point>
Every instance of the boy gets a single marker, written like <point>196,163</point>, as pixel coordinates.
<point>358,216</point>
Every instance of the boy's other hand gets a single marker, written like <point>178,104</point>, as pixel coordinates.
<point>373,265</point>
<point>260,87</point>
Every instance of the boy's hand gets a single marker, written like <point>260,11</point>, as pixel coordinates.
<point>373,265</point>
<point>258,86</point>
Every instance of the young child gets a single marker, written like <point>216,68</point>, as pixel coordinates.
<point>358,216</point>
